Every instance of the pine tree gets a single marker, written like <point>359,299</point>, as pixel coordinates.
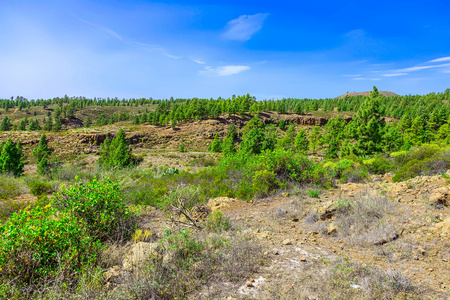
<point>370,124</point>
<point>228,147</point>
<point>215,145</point>
<point>301,143</point>
<point>120,152</point>
<point>392,139</point>
<point>57,126</point>
<point>314,139</point>
<point>23,125</point>
<point>253,141</point>
<point>49,124</point>
<point>5,125</point>
<point>11,158</point>
<point>87,122</point>
<point>181,146</point>
<point>42,154</point>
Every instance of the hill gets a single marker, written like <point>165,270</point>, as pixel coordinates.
<point>384,93</point>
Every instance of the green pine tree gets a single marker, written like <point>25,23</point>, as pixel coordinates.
<point>5,125</point>
<point>120,153</point>
<point>314,139</point>
<point>228,147</point>
<point>370,124</point>
<point>11,158</point>
<point>301,143</point>
<point>215,145</point>
<point>57,126</point>
<point>42,154</point>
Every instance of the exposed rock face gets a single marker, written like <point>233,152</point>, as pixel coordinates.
<point>139,254</point>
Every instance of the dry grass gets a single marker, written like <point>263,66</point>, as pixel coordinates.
<point>344,279</point>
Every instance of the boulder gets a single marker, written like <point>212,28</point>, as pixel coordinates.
<point>441,196</point>
<point>220,203</point>
<point>139,254</point>
<point>327,210</point>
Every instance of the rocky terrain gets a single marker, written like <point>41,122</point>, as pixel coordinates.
<point>340,245</point>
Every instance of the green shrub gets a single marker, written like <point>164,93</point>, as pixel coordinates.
<point>182,244</point>
<point>101,206</point>
<point>10,187</point>
<point>217,222</point>
<point>42,243</point>
<point>379,165</point>
<point>313,193</point>
<point>264,182</point>
<point>38,188</point>
<point>435,164</point>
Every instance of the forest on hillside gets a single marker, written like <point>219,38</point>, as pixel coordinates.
<point>59,243</point>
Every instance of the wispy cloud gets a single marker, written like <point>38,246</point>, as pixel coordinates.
<point>419,68</point>
<point>104,29</point>
<point>157,48</point>
<point>197,61</point>
<point>145,46</point>
<point>394,74</point>
<point>363,78</point>
<point>224,70</point>
<point>242,28</point>
<point>352,75</point>
<point>440,59</point>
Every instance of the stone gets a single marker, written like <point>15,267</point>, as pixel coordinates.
<point>421,250</point>
<point>139,254</point>
<point>441,196</point>
<point>444,226</point>
<point>287,242</point>
<point>332,229</point>
<point>112,273</point>
<point>326,210</point>
<point>303,259</point>
<point>249,284</point>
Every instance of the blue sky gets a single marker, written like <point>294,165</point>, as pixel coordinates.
<point>270,49</point>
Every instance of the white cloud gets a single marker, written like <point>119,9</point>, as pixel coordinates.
<point>418,68</point>
<point>198,61</point>
<point>224,70</point>
<point>362,78</point>
<point>440,59</point>
<point>242,28</point>
<point>394,74</point>
<point>352,75</point>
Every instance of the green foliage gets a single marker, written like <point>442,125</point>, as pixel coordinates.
<point>379,165</point>
<point>216,145</point>
<point>42,154</point>
<point>313,193</point>
<point>282,124</point>
<point>5,125</point>
<point>314,139</point>
<point>216,222</point>
<point>301,143</point>
<point>41,243</point>
<point>10,187</point>
<point>101,206</point>
<point>11,158</point>
<point>424,160</point>
<point>116,153</point>
<point>346,170</point>
<point>370,124</point>
<point>38,188</point>
<point>181,243</point>
<point>228,147</point>
<point>264,182</point>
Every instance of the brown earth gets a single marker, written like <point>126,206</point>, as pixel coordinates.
<point>384,93</point>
